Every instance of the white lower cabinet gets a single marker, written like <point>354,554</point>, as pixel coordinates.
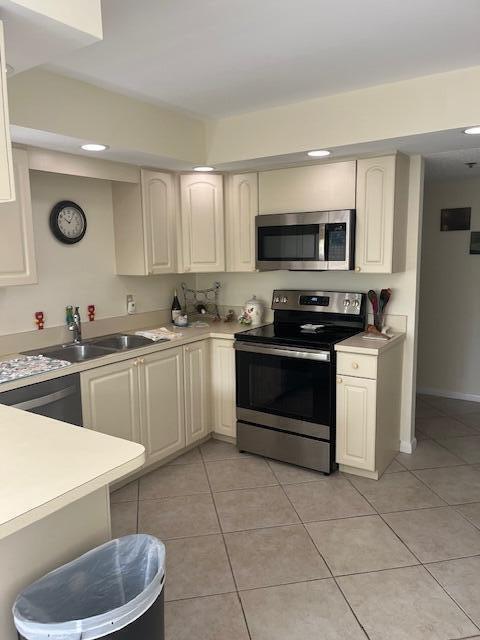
<point>356,408</point>
<point>111,401</point>
<point>162,403</point>
<point>369,392</point>
<point>223,387</point>
<point>161,400</point>
<point>197,369</point>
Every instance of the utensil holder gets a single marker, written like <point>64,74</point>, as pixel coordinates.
<point>378,320</point>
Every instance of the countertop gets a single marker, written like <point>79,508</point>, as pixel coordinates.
<point>47,464</point>
<point>359,344</point>
<point>225,330</point>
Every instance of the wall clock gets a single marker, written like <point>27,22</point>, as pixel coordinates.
<point>68,222</point>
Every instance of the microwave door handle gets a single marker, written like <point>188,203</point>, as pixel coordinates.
<point>321,242</point>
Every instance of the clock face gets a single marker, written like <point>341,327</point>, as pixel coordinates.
<point>68,222</point>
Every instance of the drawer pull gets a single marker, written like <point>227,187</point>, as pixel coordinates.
<point>339,380</point>
<point>354,365</point>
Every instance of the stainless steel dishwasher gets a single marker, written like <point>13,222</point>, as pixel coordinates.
<point>59,398</point>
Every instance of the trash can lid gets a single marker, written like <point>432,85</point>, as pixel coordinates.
<point>97,594</point>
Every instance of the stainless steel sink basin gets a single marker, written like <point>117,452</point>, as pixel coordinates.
<point>94,348</point>
<point>121,342</point>
<point>73,352</point>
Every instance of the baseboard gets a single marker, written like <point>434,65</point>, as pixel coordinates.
<point>408,446</point>
<point>444,393</point>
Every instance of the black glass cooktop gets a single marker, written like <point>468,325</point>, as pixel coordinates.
<point>292,334</point>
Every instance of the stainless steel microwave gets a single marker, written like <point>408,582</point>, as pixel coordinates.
<point>314,241</point>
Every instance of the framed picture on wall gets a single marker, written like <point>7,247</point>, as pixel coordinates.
<point>455,219</point>
<point>475,242</point>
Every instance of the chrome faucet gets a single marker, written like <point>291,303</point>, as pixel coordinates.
<point>74,323</point>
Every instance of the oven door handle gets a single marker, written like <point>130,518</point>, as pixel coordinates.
<point>286,352</point>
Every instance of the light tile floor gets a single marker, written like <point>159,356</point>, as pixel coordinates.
<point>260,550</point>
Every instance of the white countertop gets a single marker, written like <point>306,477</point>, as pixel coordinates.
<point>47,464</point>
<point>372,346</point>
<point>225,330</point>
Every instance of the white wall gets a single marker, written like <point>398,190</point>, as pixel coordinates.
<point>80,274</point>
<point>449,327</point>
<point>237,288</point>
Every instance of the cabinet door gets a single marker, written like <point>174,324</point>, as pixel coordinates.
<point>223,388</point>
<point>201,204</point>
<point>17,251</point>
<point>356,422</point>
<point>159,204</point>
<point>162,403</point>
<point>7,183</point>
<point>375,215</point>
<point>110,400</point>
<point>242,207</point>
<point>321,187</point>
<point>197,415</point>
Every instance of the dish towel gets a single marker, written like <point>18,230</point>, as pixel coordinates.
<point>159,334</point>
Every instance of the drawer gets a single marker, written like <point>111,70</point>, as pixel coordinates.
<point>357,364</point>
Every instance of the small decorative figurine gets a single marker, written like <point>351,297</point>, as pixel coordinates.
<point>39,319</point>
<point>91,312</point>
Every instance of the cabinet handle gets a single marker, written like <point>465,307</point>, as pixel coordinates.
<point>358,268</point>
<point>354,365</point>
<point>135,363</point>
<point>141,361</point>
<point>339,380</point>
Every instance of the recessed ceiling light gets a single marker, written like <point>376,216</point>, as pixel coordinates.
<point>318,153</point>
<point>92,146</point>
<point>472,131</point>
<point>203,169</point>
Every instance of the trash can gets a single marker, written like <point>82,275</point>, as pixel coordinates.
<point>114,591</point>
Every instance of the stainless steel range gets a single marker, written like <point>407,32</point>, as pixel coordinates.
<point>285,375</point>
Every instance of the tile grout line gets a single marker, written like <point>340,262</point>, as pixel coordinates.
<point>450,596</point>
<point>321,556</point>
<point>222,533</point>
<point>420,563</point>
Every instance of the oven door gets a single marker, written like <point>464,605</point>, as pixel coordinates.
<point>286,388</point>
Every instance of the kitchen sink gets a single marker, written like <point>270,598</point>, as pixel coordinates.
<point>121,342</point>
<point>72,352</point>
<point>94,348</point>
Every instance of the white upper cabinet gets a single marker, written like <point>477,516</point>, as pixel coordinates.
<point>145,217</point>
<point>17,251</point>
<point>7,183</point>
<point>201,206</point>
<point>382,197</point>
<point>159,204</point>
<point>241,209</point>
<point>322,187</point>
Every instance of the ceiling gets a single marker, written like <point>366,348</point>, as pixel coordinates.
<point>215,58</point>
<point>452,165</point>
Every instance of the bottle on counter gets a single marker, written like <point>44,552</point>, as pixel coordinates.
<point>176,307</point>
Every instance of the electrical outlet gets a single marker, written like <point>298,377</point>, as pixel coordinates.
<point>131,305</point>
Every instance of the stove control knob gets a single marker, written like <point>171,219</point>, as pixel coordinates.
<point>276,299</point>
<point>284,299</point>
<point>346,303</point>
<point>356,304</point>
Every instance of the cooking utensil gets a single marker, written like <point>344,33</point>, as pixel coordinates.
<point>384,298</point>
<point>372,296</point>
